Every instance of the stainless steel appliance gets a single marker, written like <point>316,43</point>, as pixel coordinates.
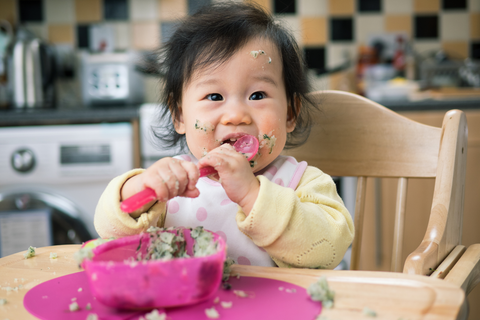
<point>111,78</point>
<point>31,72</point>
<point>51,178</point>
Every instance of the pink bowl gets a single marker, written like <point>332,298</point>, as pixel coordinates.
<point>153,283</point>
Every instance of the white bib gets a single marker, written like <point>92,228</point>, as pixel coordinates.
<point>216,212</point>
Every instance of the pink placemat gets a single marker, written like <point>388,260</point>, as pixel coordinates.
<point>267,299</point>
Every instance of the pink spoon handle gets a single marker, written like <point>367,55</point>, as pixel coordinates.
<point>206,171</point>
<point>138,200</point>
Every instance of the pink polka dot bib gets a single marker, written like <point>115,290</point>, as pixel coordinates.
<point>216,212</point>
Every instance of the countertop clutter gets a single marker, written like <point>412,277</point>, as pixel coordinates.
<point>78,115</point>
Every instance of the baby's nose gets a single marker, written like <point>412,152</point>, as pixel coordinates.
<point>236,114</point>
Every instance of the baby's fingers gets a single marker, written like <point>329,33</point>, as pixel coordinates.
<point>193,174</point>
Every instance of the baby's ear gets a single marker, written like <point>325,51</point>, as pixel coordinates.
<point>291,116</point>
<point>177,118</point>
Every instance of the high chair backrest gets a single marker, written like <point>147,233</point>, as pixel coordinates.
<point>354,136</point>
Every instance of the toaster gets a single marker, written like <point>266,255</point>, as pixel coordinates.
<point>111,79</point>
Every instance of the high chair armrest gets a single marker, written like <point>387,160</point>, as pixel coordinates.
<point>448,263</point>
<point>466,272</point>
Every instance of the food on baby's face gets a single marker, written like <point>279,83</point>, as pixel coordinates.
<point>267,140</point>
<point>204,126</point>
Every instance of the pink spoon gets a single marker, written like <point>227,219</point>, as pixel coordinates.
<point>248,145</point>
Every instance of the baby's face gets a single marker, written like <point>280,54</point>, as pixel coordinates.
<point>244,95</point>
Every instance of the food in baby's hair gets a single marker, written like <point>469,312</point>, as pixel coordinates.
<point>320,291</point>
<point>30,252</point>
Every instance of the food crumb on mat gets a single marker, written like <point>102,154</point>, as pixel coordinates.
<point>319,291</point>
<point>80,289</point>
<point>88,306</point>
<point>73,307</point>
<point>154,315</point>
<point>240,293</point>
<point>53,255</point>
<point>226,304</point>
<point>369,312</point>
<point>212,313</point>
<point>30,252</point>
<point>216,300</point>
<point>3,302</point>
<point>92,316</point>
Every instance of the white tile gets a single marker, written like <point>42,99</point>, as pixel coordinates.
<point>308,8</point>
<point>152,89</point>
<point>338,54</point>
<point>398,6</point>
<point>293,25</point>
<point>59,11</point>
<point>367,24</point>
<point>426,47</point>
<point>121,34</point>
<point>38,29</point>
<point>143,10</point>
<point>321,82</point>
<point>474,5</point>
<point>454,26</point>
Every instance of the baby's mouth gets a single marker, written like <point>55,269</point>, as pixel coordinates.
<point>230,141</point>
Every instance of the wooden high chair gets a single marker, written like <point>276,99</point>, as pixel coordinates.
<point>354,136</point>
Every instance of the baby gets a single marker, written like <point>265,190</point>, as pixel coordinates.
<point>230,70</point>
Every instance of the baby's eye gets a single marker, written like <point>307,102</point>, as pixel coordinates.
<point>257,95</point>
<point>215,97</point>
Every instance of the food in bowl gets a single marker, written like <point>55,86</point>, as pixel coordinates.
<point>158,268</point>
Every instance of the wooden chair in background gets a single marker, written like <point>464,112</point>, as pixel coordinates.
<point>355,137</point>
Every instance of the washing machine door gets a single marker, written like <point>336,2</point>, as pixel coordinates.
<point>37,218</point>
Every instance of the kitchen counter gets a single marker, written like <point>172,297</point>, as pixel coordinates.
<point>431,104</point>
<point>78,115</point>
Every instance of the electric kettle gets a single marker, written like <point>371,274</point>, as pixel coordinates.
<point>31,72</point>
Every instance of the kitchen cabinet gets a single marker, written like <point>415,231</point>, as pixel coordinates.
<point>380,205</point>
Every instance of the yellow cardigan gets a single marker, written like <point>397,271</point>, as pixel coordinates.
<point>309,227</point>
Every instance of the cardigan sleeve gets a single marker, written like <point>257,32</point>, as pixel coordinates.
<point>111,221</point>
<point>309,227</point>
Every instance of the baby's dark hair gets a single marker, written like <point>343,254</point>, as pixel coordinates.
<point>210,37</point>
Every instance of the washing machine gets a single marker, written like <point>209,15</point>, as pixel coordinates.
<point>51,178</point>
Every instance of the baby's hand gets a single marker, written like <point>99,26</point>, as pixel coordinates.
<point>236,175</point>
<point>168,177</point>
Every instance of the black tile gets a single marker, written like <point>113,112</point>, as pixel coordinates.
<point>341,29</point>
<point>369,5</point>
<point>475,50</point>
<point>426,27</point>
<point>284,6</point>
<point>83,36</point>
<point>315,58</point>
<point>454,4</point>
<point>195,5</point>
<point>115,9</point>
<point>30,10</point>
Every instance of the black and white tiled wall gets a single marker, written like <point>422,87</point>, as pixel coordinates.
<point>327,30</point>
